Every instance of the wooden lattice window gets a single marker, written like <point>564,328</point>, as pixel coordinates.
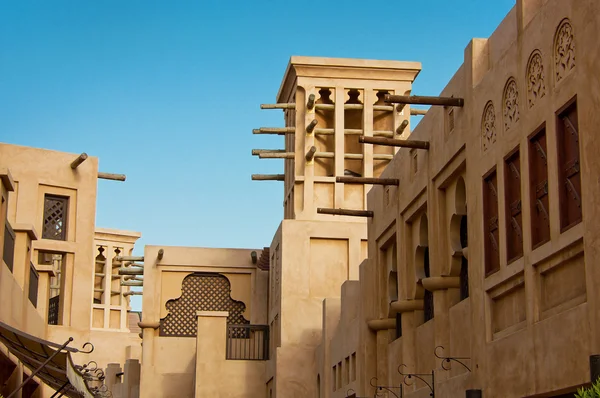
<point>201,292</point>
<point>490,222</point>
<point>33,284</point>
<point>567,130</point>
<point>428,295</point>
<point>514,218</point>
<point>55,217</point>
<point>8,255</point>
<point>54,311</point>
<point>538,187</point>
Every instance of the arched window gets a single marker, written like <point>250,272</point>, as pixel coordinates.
<point>318,386</point>
<point>428,295</point>
<point>464,267</point>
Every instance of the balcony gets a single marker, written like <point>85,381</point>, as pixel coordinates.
<point>247,342</point>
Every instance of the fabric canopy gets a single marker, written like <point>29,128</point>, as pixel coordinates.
<point>57,373</point>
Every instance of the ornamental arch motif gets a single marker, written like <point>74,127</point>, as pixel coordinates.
<point>510,104</point>
<point>488,126</point>
<point>564,49</point>
<point>536,86</point>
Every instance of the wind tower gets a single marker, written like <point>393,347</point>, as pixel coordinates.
<point>334,110</point>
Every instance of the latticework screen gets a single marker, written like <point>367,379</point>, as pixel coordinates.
<point>55,217</point>
<point>200,292</point>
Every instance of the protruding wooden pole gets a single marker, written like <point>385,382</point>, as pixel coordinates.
<point>345,212</point>
<point>311,102</point>
<point>132,283</point>
<point>368,180</point>
<point>311,153</point>
<point>422,100</point>
<point>160,255</point>
<point>283,155</point>
<point>418,112</point>
<point>275,130</point>
<point>132,293</point>
<point>311,126</point>
<point>278,106</point>
<point>400,107</point>
<point>268,177</point>
<point>110,176</point>
<point>80,159</point>
<point>393,142</point>
<point>131,271</point>
<point>129,258</point>
<point>256,152</point>
<point>402,126</point>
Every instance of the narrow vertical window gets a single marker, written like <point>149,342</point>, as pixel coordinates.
<point>569,178</point>
<point>490,222</point>
<point>514,219</point>
<point>8,255</point>
<point>353,365</point>
<point>398,325</point>
<point>33,284</point>
<point>55,217</point>
<point>538,187</point>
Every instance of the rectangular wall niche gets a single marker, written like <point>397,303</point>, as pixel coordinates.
<point>514,218</point>
<point>490,222</point>
<point>538,187</point>
<point>569,178</point>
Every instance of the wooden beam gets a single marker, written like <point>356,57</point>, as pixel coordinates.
<point>282,155</point>
<point>110,176</point>
<point>278,106</point>
<point>368,180</point>
<point>402,127</point>
<point>345,212</point>
<point>133,283</point>
<point>422,100</point>
<point>132,293</point>
<point>131,271</point>
<point>275,130</point>
<point>80,159</point>
<point>311,153</point>
<point>256,152</point>
<point>418,112</point>
<point>160,254</point>
<point>394,142</point>
<point>376,133</point>
<point>311,102</point>
<point>311,126</point>
<point>129,258</point>
<point>268,177</point>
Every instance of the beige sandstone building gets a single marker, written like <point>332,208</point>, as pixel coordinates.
<point>453,259</point>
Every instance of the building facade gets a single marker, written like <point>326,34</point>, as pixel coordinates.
<point>456,258</point>
<point>485,250</point>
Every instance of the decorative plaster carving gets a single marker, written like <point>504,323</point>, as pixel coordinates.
<point>488,126</point>
<point>510,104</point>
<point>564,49</point>
<point>536,88</point>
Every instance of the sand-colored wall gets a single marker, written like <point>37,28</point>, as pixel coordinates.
<point>520,322</point>
<point>169,363</point>
<point>309,261</point>
<point>36,172</point>
<point>215,376</point>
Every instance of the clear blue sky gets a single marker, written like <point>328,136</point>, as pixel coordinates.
<point>168,92</point>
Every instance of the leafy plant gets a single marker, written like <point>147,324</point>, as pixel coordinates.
<point>592,392</point>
